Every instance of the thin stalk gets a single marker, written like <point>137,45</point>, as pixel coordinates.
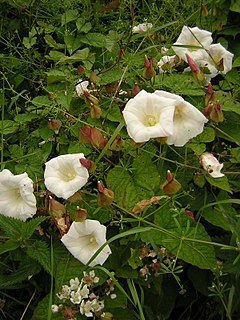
<point>2,140</point>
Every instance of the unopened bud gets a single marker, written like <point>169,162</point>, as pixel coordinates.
<point>216,113</point>
<point>146,62</point>
<point>204,11</point>
<point>93,77</point>
<point>80,214</point>
<point>55,125</point>
<point>210,95</point>
<point>90,98</point>
<point>92,136</point>
<point>88,164</point>
<point>95,111</point>
<point>171,185</point>
<point>105,196</point>
<point>55,208</point>
<point>135,90</point>
<point>117,143</point>
<point>207,110</point>
<point>149,71</point>
<point>189,214</point>
<point>198,74</point>
<point>51,95</point>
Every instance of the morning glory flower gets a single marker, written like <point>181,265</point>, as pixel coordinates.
<point>83,239</point>
<point>142,27</point>
<point>211,165</point>
<point>188,121</point>
<point>194,42</point>
<point>16,195</point>
<point>81,87</point>
<point>65,175</point>
<point>148,115</point>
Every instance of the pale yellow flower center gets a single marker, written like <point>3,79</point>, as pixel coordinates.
<point>150,120</point>
<point>92,239</point>
<point>67,173</point>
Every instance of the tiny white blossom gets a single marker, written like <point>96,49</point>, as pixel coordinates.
<point>16,195</point>
<point>83,239</point>
<point>84,292</point>
<point>65,175</point>
<point>81,87</point>
<point>194,42</point>
<point>211,165</point>
<point>166,61</point>
<point>142,27</point>
<point>54,308</point>
<point>97,305</point>
<point>113,296</point>
<point>75,297</point>
<point>64,293</point>
<point>74,283</point>
<point>86,308</point>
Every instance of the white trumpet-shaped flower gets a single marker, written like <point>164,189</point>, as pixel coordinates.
<point>83,239</point>
<point>188,121</point>
<point>211,165</point>
<point>65,175</point>
<point>16,195</point>
<point>194,42</point>
<point>148,115</point>
<point>81,87</point>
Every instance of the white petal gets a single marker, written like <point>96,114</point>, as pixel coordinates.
<point>84,239</point>
<point>192,37</point>
<point>145,106</point>
<point>65,175</point>
<point>16,195</point>
<point>211,165</point>
<point>217,52</point>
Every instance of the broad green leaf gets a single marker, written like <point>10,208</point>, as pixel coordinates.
<point>41,311</point>
<point>25,117</point>
<point>208,135</point>
<point>94,39</point>
<point>222,215</point>
<point>73,43</point>
<point>236,62</point>
<point>52,43</point>
<point>55,76</point>
<point>39,251</point>
<point>41,101</point>
<point>78,56</point>
<point>230,128</point>
<point>111,76</point>
<point>83,26</point>
<point>235,6</point>
<point>55,55</point>
<point>228,103</point>
<point>132,186</point>
<point>29,42</point>
<point>8,126</point>
<point>180,235</point>
<point>68,16</point>
<point>221,183</point>
<point>197,148</point>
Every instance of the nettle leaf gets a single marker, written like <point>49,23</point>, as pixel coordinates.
<point>129,187</point>
<point>27,267</point>
<point>8,126</point>
<point>179,234</point>
<point>183,84</point>
<point>39,251</point>
<point>9,245</point>
<point>30,226</point>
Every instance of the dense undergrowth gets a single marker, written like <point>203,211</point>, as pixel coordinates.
<point>172,227</point>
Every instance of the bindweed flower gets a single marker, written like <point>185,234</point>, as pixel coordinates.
<point>194,42</point>
<point>16,195</point>
<point>167,62</point>
<point>81,87</point>
<point>188,121</point>
<point>65,175</point>
<point>211,165</point>
<point>142,27</point>
<point>83,239</point>
<point>148,115</point>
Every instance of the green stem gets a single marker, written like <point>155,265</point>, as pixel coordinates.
<point>2,140</point>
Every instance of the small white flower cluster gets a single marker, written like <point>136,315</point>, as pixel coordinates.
<point>197,43</point>
<point>82,297</point>
<point>142,27</point>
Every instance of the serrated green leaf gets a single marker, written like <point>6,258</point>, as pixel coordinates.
<point>39,251</point>
<point>28,267</point>
<point>11,226</point>
<point>183,84</point>
<point>9,126</point>
<point>9,245</point>
<point>131,187</point>
<point>30,226</point>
